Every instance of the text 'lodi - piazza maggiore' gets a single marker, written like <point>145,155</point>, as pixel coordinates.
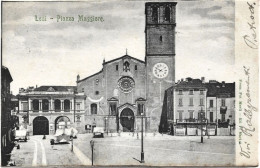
<point>127,89</point>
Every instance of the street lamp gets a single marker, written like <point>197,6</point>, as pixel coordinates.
<point>201,119</point>
<point>92,149</point>
<point>142,140</point>
<point>72,132</point>
<point>106,118</point>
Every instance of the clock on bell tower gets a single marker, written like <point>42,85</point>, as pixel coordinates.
<point>160,54</point>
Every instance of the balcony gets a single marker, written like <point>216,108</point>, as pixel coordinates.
<point>190,120</point>
<point>223,124</point>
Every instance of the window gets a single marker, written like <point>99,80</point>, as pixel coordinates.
<point>82,90</point>
<point>223,117</point>
<point>96,92</point>
<point>155,14</point>
<point>180,92</point>
<point>191,92</point>
<point>140,109</point>
<point>66,105</point>
<point>223,102</point>
<point>45,105</point>
<point>201,101</point>
<point>180,116</point>
<point>93,108</point>
<point>210,103</point>
<point>78,106</point>
<point>97,81</point>
<point>167,13</point>
<point>35,105</point>
<point>180,101</point>
<point>57,104</point>
<point>25,107</point>
<point>191,101</point>
<point>126,66</point>
<point>160,38</point>
<point>116,67</point>
<point>201,115</point>
<point>136,67</point>
<point>211,116</point>
<point>78,118</point>
<point>191,114</point>
<point>201,91</point>
<point>112,109</point>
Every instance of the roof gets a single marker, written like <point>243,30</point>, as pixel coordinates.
<point>112,99</point>
<point>218,89</point>
<point>122,57</point>
<point>190,83</point>
<point>14,96</point>
<point>55,88</point>
<point>140,99</point>
<point>160,3</point>
<point>90,76</point>
<point>5,71</point>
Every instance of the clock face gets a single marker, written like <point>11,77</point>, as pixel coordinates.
<point>160,70</point>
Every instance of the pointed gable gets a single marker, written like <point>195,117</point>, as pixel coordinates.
<point>51,89</point>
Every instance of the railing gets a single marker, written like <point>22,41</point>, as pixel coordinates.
<point>190,120</point>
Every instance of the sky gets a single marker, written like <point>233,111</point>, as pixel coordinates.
<point>54,53</point>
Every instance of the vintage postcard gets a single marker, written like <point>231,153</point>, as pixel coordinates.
<point>129,83</point>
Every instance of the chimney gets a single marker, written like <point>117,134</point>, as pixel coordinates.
<point>188,79</point>
<point>78,77</point>
<point>36,86</point>
<point>181,79</point>
<point>203,79</point>
<point>223,83</point>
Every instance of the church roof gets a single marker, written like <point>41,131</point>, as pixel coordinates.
<point>122,57</point>
<point>90,76</point>
<point>55,88</point>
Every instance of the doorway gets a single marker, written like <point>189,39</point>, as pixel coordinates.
<point>127,120</point>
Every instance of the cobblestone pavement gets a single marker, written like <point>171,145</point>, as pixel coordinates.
<point>159,150</point>
<point>126,150</point>
<point>38,152</point>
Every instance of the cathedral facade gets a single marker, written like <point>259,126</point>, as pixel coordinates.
<point>128,89</point>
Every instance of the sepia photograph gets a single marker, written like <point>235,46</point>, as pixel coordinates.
<point>129,83</point>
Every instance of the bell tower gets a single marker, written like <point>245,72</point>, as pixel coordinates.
<point>160,55</point>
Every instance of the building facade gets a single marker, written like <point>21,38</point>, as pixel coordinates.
<point>221,106</point>
<point>189,105</point>
<point>42,108</point>
<point>210,105</point>
<point>7,124</point>
<point>128,89</point>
